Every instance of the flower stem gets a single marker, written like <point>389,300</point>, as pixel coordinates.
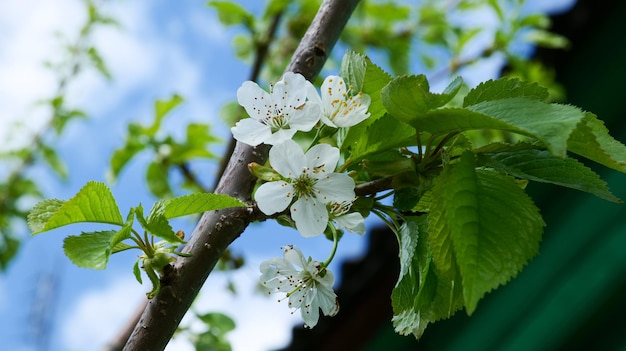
<point>335,244</point>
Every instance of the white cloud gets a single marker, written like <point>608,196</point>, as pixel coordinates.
<point>96,316</point>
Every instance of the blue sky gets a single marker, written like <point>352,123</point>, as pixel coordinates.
<point>160,49</point>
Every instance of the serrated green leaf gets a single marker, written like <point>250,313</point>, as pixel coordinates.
<point>89,250</point>
<point>157,224</point>
<point>409,97</point>
<point>42,212</point>
<point>423,294</point>
<point>591,139</point>
<point>541,166</point>
<point>353,69</point>
<point>483,223</point>
<point>93,203</point>
<point>505,88</point>
<point>551,124</point>
<point>119,247</point>
<point>194,203</point>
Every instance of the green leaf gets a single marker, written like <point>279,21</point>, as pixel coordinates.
<point>98,62</point>
<point>157,224</point>
<point>157,180</point>
<point>423,294</point>
<point>194,203</point>
<point>546,39</point>
<point>89,250</point>
<point>93,203</point>
<point>384,134</point>
<point>137,272</point>
<point>408,97</point>
<point>483,223</point>
<point>353,69</point>
<point>123,155</point>
<point>42,212</point>
<point>126,230</point>
<point>8,249</point>
<point>541,166</point>
<point>230,13</point>
<point>52,159</point>
<point>551,124</point>
<point>591,139</point>
<point>505,88</point>
<point>161,109</point>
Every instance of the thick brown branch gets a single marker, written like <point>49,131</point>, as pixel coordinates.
<point>217,229</point>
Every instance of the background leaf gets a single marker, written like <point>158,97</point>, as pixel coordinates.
<point>505,88</point>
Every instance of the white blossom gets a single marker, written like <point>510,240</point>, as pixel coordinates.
<point>353,222</point>
<point>276,116</point>
<point>341,108</point>
<point>308,285</point>
<point>310,180</point>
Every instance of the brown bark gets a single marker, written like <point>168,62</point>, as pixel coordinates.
<point>218,229</point>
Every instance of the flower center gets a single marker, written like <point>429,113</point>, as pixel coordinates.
<point>304,184</point>
<point>276,119</point>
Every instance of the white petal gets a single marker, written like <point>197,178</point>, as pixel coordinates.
<point>254,99</point>
<point>287,158</point>
<point>280,136</point>
<point>310,309</point>
<point>355,112</point>
<point>294,256</point>
<point>273,197</point>
<point>311,216</point>
<point>353,222</point>
<point>336,187</point>
<point>333,88</point>
<point>322,157</point>
<point>251,132</point>
<point>305,118</point>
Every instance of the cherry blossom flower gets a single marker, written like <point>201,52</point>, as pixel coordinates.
<point>309,180</point>
<point>353,222</point>
<point>276,116</point>
<point>339,107</point>
<point>308,285</point>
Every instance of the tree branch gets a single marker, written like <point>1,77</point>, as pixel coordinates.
<point>218,229</point>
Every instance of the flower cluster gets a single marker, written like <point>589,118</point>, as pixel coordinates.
<point>318,198</point>
<point>308,289</point>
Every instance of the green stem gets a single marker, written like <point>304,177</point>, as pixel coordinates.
<point>335,244</point>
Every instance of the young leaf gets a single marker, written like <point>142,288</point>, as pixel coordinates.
<point>93,203</point>
<point>137,272</point>
<point>230,13</point>
<point>161,109</point>
<point>157,224</point>
<point>591,139</point>
<point>505,88</point>
<point>89,250</point>
<point>126,230</point>
<point>194,203</point>
<point>353,68</point>
<point>157,179</point>
<point>483,223</point>
<point>541,166</point>
<point>408,97</point>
